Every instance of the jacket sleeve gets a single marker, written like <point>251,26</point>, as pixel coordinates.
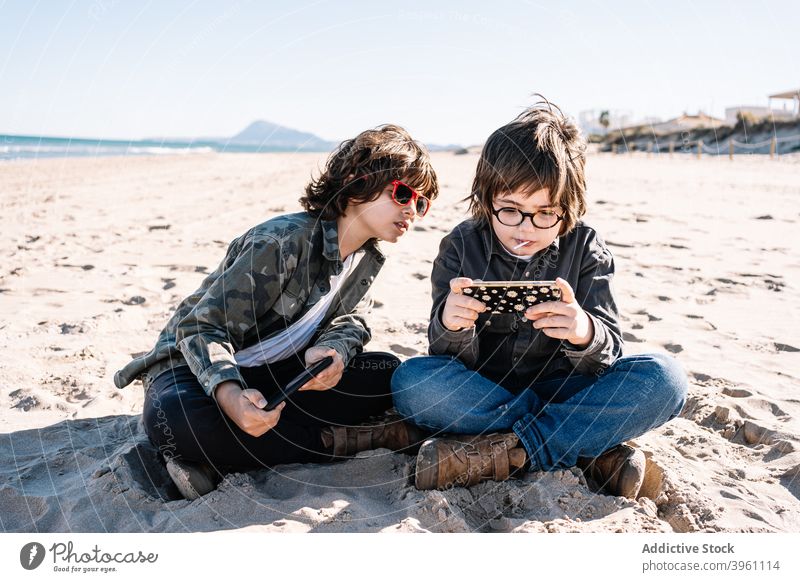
<point>349,333</point>
<point>442,341</point>
<point>210,334</point>
<point>595,295</point>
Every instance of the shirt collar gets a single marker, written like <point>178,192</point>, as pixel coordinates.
<point>330,240</point>
<point>330,243</point>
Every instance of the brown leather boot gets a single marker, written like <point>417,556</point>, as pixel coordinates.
<point>618,471</point>
<point>468,460</point>
<point>389,432</point>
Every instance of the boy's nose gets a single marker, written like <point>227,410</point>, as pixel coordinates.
<point>410,211</point>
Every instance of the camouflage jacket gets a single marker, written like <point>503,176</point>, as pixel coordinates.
<point>270,276</point>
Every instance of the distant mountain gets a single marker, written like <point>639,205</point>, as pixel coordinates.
<point>451,147</point>
<point>267,136</point>
<point>273,136</point>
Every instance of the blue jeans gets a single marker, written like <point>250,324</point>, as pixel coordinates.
<point>556,419</point>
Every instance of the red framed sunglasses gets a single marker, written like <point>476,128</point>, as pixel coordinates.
<point>403,194</point>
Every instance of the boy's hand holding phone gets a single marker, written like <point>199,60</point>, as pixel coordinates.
<point>244,407</point>
<point>563,319</point>
<point>460,311</point>
<point>330,376</point>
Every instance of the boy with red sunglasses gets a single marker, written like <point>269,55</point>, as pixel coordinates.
<point>288,293</point>
<point>541,388</point>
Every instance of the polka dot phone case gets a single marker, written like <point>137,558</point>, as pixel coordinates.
<point>513,296</point>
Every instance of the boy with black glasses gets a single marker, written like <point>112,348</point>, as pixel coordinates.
<point>547,386</point>
<point>288,293</point>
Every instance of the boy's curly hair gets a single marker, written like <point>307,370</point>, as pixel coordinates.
<point>360,168</point>
<point>540,149</point>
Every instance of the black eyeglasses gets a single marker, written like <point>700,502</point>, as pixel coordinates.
<point>540,219</point>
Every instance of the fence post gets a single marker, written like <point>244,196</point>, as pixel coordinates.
<point>613,148</point>
<point>772,147</point>
<point>671,148</point>
<point>649,149</point>
<point>699,148</point>
<point>730,149</point>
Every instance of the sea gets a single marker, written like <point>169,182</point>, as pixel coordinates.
<point>29,146</point>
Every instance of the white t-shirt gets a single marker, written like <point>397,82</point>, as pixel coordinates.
<point>295,338</point>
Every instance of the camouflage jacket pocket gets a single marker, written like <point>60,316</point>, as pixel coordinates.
<point>291,301</point>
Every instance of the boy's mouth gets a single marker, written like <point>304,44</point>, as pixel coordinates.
<point>521,243</point>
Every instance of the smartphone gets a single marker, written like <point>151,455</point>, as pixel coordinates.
<point>297,383</point>
<point>513,296</point>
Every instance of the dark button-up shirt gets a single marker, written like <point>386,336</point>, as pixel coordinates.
<point>506,348</point>
<point>270,277</point>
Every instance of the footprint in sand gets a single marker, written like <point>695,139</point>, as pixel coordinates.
<point>649,316</point>
<point>76,395</point>
<point>729,281</point>
<point>629,337</point>
<point>417,327</point>
<point>26,401</point>
<point>756,434</point>
<point>625,245</point>
<point>710,325</point>
<point>67,328</point>
<point>776,286</point>
<point>737,392</point>
<point>403,350</point>
<point>135,300</point>
<point>673,348</point>
<point>791,480</point>
<point>420,276</point>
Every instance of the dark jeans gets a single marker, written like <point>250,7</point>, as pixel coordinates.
<point>183,421</point>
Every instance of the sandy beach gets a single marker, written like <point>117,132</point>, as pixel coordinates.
<point>97,252</point>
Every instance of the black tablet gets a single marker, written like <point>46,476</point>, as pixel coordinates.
<point>298,382</point>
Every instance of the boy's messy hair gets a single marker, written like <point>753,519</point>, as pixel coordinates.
<point>360,168</point>
<point>541,148</point>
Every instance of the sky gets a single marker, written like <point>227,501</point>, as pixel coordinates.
<point>450,72</point>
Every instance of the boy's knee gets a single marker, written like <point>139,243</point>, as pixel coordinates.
<point>406,381</point>
<point>415,381</point>
<point>669,382</point>
<point>415,371</point>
